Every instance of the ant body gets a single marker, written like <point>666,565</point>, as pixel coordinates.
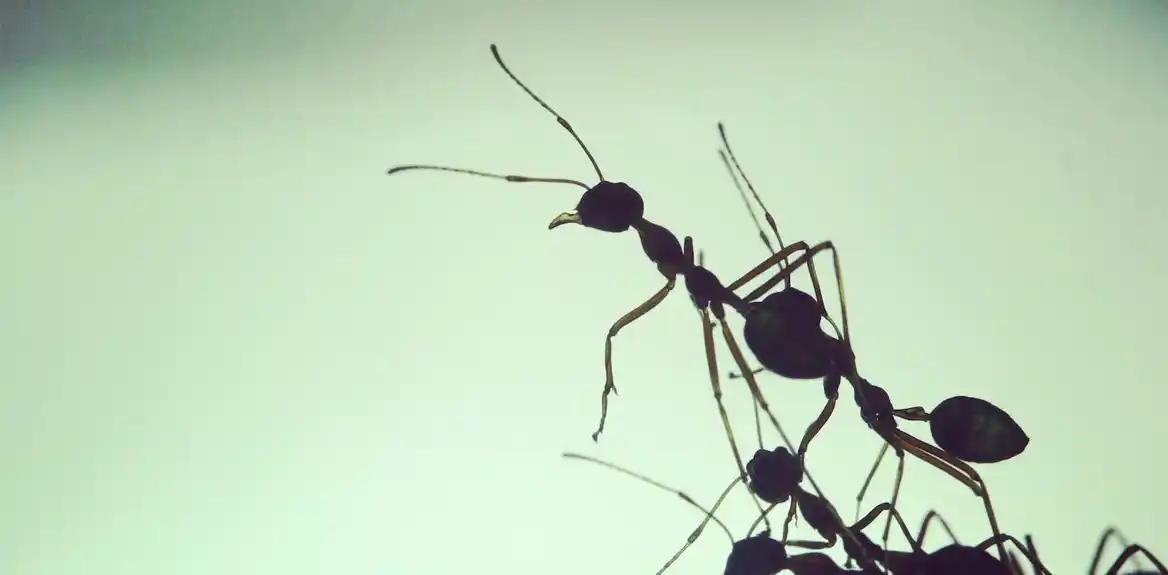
<point>775,476</point>
<point>782,329</point>
<point>778,328</point>
<point>965,429</point>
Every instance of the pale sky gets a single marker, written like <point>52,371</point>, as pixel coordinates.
<point>231,344</point>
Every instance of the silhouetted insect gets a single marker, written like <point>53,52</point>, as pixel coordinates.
<point>966,429</point>
<point>754,552</point>
<point>785,335</point>
<point>616,207</point>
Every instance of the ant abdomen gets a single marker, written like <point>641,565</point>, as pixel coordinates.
<point>787,339</point>
<point>976,430</point>
<point>610,207</point>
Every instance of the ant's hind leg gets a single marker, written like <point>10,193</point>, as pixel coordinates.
<point>785,273</point>
<point>1129,553</point>
<point>634,315</point>
<point>956,468</point>
<point>868,480</point>
<point>931,516</point>
<point>1109,534</point>
<point>712,363</point>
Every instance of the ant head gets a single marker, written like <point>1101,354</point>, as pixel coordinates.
<point>956,559</point>
<point>976,430</point>
<point>774,475</point>
<point>756,555</point>
<point>784,333</point>
<point>607,206</point>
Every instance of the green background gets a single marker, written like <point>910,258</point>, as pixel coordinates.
<point>230,344</point>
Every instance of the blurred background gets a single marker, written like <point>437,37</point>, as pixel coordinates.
<point>229,343</point>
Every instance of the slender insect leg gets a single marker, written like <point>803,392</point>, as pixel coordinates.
<point>636,313</point>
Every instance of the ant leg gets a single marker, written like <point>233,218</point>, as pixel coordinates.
<point>769,262</point>
<point>868,480</point>
<point>609,386</point>
<point>868,519</point>
<point>831,385</point>
<point>1029,554</point>
<point>929,517</point>
<point>1033,551</point>
<point>1128,553</point>
<point>712,363</point>
<point>895,493</point>
<point>785,273</point>
<point>739,359</point>
<point>1109,534</point>
<point>955,467</point>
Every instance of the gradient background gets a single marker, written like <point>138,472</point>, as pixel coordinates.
<point>232,345</point>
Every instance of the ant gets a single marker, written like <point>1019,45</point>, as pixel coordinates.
<point>767,483</point>
<point>966,429</point>
<point>779,325</point>
<point>1131,552</point>
<point>775,475</point>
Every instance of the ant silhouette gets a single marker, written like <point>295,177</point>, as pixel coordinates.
<point>775,475</point>
<point>1131,552</point>
<point>768,486</point>
<point>966,429</point>
<point>778,328</point>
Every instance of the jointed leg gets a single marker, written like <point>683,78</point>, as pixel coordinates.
<point>1010,560</point>
<point>712,363</point>
<point>929,518</point>
<point>783,274</point>
<point>868,480</point>
<point>831,390</point>
<point>739,359</point>
<point>956,468</point>
<point>1109,534</point>
<point>609,386</point>
<point>1129,553</point>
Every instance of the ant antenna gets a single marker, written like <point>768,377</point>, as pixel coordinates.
<point>506,177</point>
<point>745,201</point>
<point>681,494</point>
<point>559,118</point>
<point>734,174</point>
